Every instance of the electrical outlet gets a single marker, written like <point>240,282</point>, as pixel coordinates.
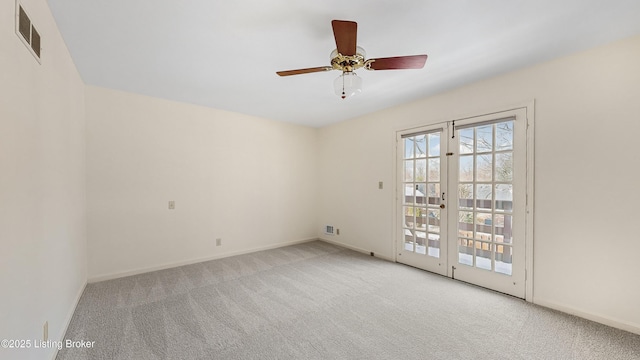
<point>172,205</point>
<point>337,231</point>
<point>45,331</point>
<point>218,242</point>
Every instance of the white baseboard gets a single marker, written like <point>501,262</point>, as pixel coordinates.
<point>69,317</point>
<point>355,248</point>
<point>599,318</point>
<point>117,275</point>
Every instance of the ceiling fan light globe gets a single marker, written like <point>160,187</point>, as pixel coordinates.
<point>347,84</point>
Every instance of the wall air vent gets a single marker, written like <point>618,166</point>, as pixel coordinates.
<point>328,229</point>
<point>27,31</point>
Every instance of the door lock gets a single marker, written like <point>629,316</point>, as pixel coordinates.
<point>442,206</point>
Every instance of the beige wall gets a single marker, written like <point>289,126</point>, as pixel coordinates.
<point>586,175</point>
<point>42,184</point>
<point>249,181</point>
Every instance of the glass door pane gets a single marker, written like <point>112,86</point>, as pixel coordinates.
<point>421,184</point>
<point>484,196</point>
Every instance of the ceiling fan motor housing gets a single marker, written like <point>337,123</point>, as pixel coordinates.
<point>346,63</point>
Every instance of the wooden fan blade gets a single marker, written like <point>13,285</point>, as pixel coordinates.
<point>398,62</point>
<point>345,33</point>
<point>304,71</point>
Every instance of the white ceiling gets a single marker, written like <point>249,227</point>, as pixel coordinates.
<point>224,54</point>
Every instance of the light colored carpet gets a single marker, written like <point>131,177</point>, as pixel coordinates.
<point>319,301</point>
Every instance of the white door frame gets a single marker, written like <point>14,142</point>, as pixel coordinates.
<point>529,108</point>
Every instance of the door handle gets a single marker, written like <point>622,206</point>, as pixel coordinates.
<point>442,206</point>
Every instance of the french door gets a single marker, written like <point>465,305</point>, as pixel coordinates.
<point>462,200</point>
<point>421,200</point>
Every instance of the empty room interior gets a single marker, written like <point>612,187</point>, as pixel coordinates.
<point>334,180</point>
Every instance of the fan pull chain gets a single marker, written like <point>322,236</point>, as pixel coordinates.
<point>343,94</point>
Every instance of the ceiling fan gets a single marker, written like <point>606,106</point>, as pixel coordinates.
<point>348,57</point>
